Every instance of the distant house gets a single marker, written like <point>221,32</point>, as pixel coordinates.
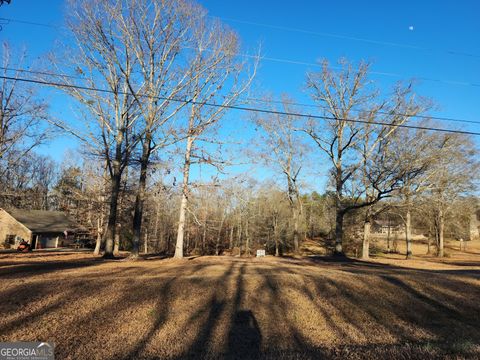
<point>42,229</point>
<point>386,226</point>
<point>474,232</point>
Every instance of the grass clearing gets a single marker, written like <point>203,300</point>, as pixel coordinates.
<point>227,307</point>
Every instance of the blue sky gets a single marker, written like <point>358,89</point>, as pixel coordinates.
<point>439,27</point>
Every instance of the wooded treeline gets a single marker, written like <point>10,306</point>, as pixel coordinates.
<point>153,81</point>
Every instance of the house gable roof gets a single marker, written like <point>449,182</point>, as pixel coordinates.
<point>41,221</point>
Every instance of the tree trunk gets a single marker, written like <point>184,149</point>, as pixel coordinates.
<point>310,223</point>
<point>339,213</point>
<point>295,230</point>
<point>45,200</point>
<point>99,237</point>
<point>366,240</point>
<point>441,225</point>
<point>196,241</point>
<point>112,216</point>
<point>219,235</point>
<point>169,241</point>
<point>338,232</point>
<point>231,238</point>
<point>145,243</point>
<point>247,239</point>
<point>140,197</point>
<point>275,236</point>
<point>157,220</point>
<point>204,236</point>
<point>388,238</point>
<point>239,236</point>
<point>116,246</point>
<point>116,178</point>
<point>408,234</point>
<point>159,240</point>
<point>184,201</point>
<point>188,238</point>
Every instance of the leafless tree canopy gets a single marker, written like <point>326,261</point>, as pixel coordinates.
<point>152,83</point>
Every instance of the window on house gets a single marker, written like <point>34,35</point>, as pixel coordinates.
<point>9,241</point>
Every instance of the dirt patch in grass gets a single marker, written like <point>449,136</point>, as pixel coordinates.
<point>225,307</point>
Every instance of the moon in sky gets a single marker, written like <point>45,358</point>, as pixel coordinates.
<point>410,28</point>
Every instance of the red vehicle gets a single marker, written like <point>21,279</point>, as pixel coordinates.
<point>24,247</point>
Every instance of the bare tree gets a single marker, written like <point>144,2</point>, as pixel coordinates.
<point>158,33</point>
<point>381,171</point>
<point>455,167</point>
<point>354,134</point>
<point>344,97</point>
<point>23,115</point>
<point>104,60</point>
<point>413,149</point>
<point>282,149</point>
<point>27,183</point>
<point>217,78</point>
<point>43,174</point>
<point>338,94</point>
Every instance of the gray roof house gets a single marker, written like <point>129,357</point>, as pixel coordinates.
<point>42,229</point>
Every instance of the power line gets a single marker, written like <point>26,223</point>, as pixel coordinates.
<point>301,63</point>
<point>42,73</point>
<point>250,99</point>
<point>347,37</point>
<point>8,20</point>
<point>240,108</point>
<point>426,117</point>
<point>285,28</point>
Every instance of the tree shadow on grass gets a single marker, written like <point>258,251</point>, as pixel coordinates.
<point>244,337</point>
<point>443,309</point>
<point>248,306</point>
<point>164,309</point>
<point>212,311</point>
<point>19,301</point>
<point>19,269</point>
<point>366,311</point>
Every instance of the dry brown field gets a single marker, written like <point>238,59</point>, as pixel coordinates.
<point>237,308</point>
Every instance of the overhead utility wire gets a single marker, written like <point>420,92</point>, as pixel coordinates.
<point>268,101</point>
<point>241,108</point>
<point>302,63</point>
<point>42,73</point>
<point>426,117</point>
<point>8,20</point>
<point>347,37</point>
<point>304,31</point>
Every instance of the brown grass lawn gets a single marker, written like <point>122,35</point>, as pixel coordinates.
<point>227,307</point>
